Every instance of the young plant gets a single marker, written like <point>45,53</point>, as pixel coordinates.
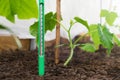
<point>89,47</point>
<point>99,34</point>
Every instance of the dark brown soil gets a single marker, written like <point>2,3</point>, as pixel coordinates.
<point>22,65</point>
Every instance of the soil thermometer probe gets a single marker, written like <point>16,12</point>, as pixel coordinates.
<point>41,49</point>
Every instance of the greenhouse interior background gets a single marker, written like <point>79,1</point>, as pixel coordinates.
<point>86,9</point>
<point>87,47</point>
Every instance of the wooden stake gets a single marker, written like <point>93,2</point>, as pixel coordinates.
<point>57,31</point>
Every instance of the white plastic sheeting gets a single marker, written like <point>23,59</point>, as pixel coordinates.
<point>86,9</point>
<point>20,27</point>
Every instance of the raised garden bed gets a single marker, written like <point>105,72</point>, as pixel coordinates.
<point>7,42</point>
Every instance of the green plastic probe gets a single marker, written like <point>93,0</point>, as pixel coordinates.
<point>41,49</point>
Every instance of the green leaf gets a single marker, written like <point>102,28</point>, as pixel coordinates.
<point>5,10</point>
<point>104,13</point>
<point>6,28</point>
<point>2,27</point>
<point>95,35</point>
<point>88,47</point>
<point>24,9</point>
<point>50,21</point>
<point>111,17</point>
<point>34,29</point>
<point>106,38</point>
<point>81,21</point>
<point>116,40</point>
<point>49,24</point>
